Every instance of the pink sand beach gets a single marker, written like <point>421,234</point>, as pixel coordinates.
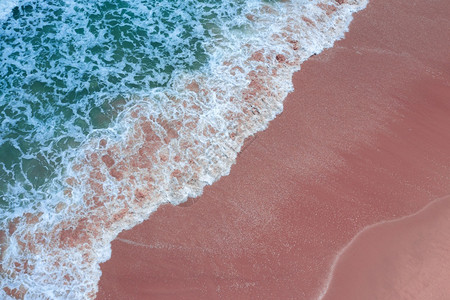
<point>363,139</point>
<point>401,259</point>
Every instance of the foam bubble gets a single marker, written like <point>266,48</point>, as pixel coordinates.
<point>166,147</point>
<point>69,67</point>
<point>6,7</point>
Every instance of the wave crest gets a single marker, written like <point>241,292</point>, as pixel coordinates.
<point>166,150</point>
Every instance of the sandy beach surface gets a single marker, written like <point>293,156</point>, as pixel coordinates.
<point>364,138</point>
<point>401,259</point>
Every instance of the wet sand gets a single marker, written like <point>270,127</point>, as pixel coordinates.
<point>402,259</point>
<point>363,138</point>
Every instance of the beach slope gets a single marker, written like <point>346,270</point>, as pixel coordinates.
<point>364,138</point>
<point>401,259</point>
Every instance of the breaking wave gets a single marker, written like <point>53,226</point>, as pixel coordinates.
<point>168,140</point>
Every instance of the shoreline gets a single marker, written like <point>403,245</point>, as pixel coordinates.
<point>345,255</point>
<point>165,150</point>
<point>362,139</point>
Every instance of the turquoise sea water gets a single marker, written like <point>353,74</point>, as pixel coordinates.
<point>111,108</point>
<point>68,67</point>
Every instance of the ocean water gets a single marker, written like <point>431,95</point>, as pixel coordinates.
<point>110,108</point>
<point>69,67</point>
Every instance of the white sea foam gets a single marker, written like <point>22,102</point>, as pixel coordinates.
<point>6,7</point>
<point>68,66</point>
<point>166,149</point>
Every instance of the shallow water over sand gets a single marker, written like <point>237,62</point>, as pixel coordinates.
<point>165,145</point>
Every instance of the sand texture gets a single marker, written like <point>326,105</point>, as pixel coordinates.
<point>364,138</point>
<point>401,259</point>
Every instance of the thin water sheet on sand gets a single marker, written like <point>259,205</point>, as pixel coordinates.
<point>401,259</point>
<point>164,149</point>
<point>363,138</point>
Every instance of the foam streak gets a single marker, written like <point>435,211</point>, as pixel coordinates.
<point>166,150</point>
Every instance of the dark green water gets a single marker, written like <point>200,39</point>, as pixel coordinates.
<point>69,67</point>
